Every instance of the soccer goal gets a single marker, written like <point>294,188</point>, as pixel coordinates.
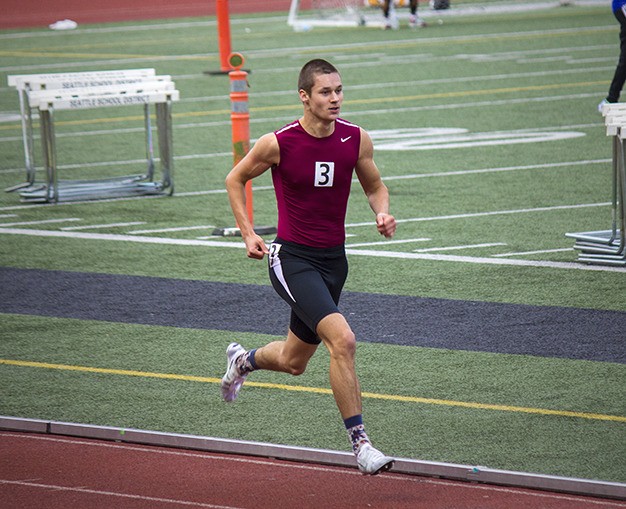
<point>306,14</point>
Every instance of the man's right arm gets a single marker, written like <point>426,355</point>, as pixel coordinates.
<point>259,159</point>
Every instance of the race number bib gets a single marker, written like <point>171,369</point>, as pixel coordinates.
<point>324,174</point>
<point>273,255</point>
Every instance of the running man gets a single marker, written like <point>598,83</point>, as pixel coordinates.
<point>312,161</point>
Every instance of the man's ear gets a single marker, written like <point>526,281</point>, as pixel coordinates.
<point>304,97</point>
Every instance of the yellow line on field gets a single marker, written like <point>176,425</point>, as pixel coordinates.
<point>319,390</point>
<point>375,100</point>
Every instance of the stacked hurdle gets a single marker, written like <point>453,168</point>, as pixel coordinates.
<point>44,94</point>
<point>607,247</point>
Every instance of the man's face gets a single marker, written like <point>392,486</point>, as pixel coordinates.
<point>326,96</point>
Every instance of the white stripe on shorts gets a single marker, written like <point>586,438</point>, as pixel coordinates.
<point>276,266</point>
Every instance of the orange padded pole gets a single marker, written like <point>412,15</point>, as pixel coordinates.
<point>223,34</point>
<point>240,119</point>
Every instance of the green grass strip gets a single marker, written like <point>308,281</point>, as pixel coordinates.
<point>319,390</point>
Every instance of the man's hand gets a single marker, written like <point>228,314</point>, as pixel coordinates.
<point>255,247</point>
<point>386,224</point>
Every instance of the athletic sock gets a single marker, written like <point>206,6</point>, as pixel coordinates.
<point>356,432</point>
<point>246,363</point>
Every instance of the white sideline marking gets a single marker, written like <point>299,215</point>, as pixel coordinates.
<point>119,237</point>
<point>359,252</point>
<point>455,248</point>
<point>96,226</point>
<point>43,221</point>
<point>541,251</point>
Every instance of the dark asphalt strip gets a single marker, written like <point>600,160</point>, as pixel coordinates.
<point>392,319</point>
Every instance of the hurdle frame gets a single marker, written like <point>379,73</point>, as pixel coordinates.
<point>70,91</point>
<point>608,247</point>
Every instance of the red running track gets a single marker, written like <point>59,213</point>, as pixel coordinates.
<point>43,471</point>
<point>35,13</point>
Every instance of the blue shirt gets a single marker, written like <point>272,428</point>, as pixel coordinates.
<point>618,4</point>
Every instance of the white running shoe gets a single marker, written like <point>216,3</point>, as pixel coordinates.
<point>233,379</point>
<point>371,461</point>
<point>602,103</point>
<point>416,21</point>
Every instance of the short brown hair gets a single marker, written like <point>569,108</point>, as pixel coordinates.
<point>310,70</point>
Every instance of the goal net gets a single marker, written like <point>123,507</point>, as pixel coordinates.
<point>306,14</point>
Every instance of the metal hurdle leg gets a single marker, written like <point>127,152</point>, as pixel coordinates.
<point>28,141</point>
<point>617,148</point>
<point>164,130</point>
<point>615,254</point>
<point>149,142</point>
<point>49,154</point>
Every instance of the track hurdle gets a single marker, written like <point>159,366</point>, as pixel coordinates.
<point>45,94</point>
<point>608,247</point>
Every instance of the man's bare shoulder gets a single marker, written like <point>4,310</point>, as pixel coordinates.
<point>266,148</point>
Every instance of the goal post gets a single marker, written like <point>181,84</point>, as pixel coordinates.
<point>306,14</point>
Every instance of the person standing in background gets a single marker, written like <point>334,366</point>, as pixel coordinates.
<point>391,19</point>
<point>615,89</point>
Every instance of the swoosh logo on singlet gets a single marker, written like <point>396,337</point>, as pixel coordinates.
<point>343,140</point>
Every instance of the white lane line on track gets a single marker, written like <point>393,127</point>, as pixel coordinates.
<point>293,465</point>
<point>88,491</point>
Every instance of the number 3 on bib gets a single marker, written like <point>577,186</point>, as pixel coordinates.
<point>324,174</point>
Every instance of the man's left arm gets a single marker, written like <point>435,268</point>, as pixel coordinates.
<point>374,188</point>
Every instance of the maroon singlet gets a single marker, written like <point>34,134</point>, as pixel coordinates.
<point>312,183</point>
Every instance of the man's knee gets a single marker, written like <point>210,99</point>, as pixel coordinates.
<point>337,336</point>
<point>344,344</point>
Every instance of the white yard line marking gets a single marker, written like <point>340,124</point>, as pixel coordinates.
<point>388,242</point>
<point>491,213</point>
<point>482,260</point>
<point>497,170</point>
<point>358,252</point>
<point>43,221</point>
<point>97,226</point>
<point>174,229</point>
<point>542,251</point>
<point>273,53</point>
<point>456,248</point>
<point>270,188</point>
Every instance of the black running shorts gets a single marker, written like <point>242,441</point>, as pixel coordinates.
<point>310,280</point>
